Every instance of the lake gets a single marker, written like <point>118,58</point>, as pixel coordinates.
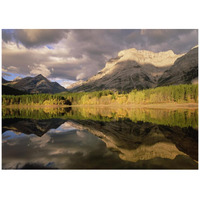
<point>99,138</point>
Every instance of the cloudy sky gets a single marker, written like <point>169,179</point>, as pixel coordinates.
<point>67,56</point>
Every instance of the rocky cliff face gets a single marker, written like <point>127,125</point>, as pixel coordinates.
<point>132,69</point>
<point>38,84</point>
<point>184,70</point>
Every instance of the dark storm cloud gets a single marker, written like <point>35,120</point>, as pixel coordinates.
<point>159,36</point>
<point>97,45</point>
<point>178,40</point>
<point>101,45</point>
<point>7,35</point>
<point>98,42</point>
<point>82,53</point>
<point>35,37</point>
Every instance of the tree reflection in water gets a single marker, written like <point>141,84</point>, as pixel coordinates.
<point>100,138</point>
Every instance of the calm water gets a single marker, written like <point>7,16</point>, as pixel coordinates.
<point>99,138</point>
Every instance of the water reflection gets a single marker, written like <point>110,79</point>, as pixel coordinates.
<point>31,126</point>
<point>143,141</point>
<point>96,138</point>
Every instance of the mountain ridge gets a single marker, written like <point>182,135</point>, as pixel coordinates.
<point>132,69</point>
<point>37,84</point>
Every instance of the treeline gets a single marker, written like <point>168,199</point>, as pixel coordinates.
<point>168,94</point>
<point>35,99</point>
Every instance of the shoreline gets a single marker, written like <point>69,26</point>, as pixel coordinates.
<point>152,106</point>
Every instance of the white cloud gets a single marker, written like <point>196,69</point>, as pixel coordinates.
<point>80,76</point>
<point>63,82</point>
<point>5,74</point>
<point>80,134</point>
<point>67,83</point>
<point>40,69</point>
<point>12,68</point>
<point>40,141</point>
<point>4,70</point>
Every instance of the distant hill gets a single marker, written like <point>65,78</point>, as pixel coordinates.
<point>141,69</point>
<point>37,84</point>
<point>4,81</point>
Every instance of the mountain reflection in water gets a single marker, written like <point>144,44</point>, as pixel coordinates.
<point>99,138</point>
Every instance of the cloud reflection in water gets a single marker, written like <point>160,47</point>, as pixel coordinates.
<point>90,144</point>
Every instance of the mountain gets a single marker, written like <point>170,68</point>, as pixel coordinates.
<point>4,81</point>
<point>184,70</point>
<point>37,84</point>
<point>17,78</point>
<point>7,90</point>
<point>132,69</point>
<point>141,69</point>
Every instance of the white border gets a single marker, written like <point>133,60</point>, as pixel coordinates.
<point>102,184</point>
